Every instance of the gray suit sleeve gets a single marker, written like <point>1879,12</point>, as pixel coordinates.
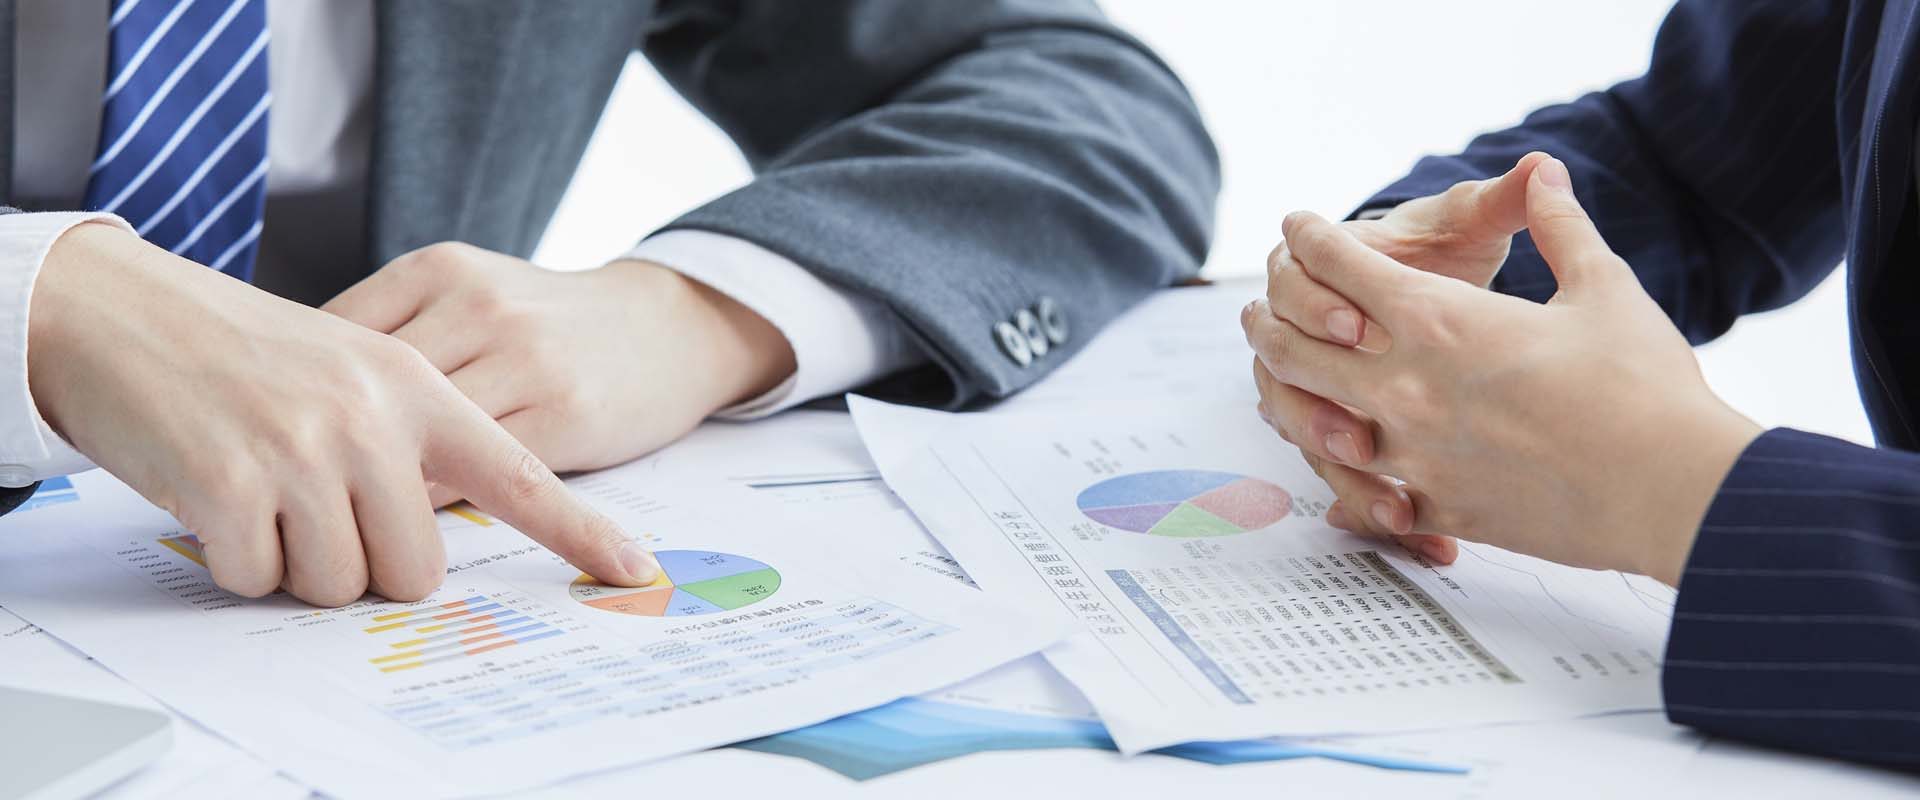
<point>958,161</point>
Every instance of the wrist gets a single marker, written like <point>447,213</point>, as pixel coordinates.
<point>1709,444</point>
<point>741,355</point>
<point>76,272</point>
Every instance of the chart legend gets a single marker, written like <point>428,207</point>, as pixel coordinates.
<point>692,582</point>
<point>450,631</point>
<point>1185,503</point>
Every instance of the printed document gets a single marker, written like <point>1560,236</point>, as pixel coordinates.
<point>519,671</point>
<point>1214,602</point>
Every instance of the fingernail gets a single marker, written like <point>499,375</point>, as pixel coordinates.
<point>1383,514</point>
<point>1344,326</point>
<point>1337,517</point>
<point>639,563</point>
<point>1341,446</point>
<point>1553,174</point>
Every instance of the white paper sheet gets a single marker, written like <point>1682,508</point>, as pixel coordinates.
<point>1226,609</point>
<point>199,763</point>
<point>513,675</point>
<point>807,463</point>
<point>812,464</point>
<point>1178,346</point>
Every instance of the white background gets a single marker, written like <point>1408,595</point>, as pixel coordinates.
<point>1313,106</point>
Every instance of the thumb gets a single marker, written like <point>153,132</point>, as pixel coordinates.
<point>1495,208</point>
<point>1562,231</point>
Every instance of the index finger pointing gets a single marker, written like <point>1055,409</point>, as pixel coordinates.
<point>472,455</point>
<point>1336,260</point>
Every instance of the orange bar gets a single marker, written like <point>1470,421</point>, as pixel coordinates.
<point>444,625</point>
<point>481,638</point>
<point>495,646</point>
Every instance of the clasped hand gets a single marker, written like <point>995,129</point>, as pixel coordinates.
<point>1580,430</point>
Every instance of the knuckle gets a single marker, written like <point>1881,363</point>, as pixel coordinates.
<point>1463,190</point>
<point>1309,243</point>
<point>393,361</point>
<point>414,584</point>
<point>1279,259</point>
<point>489,304</point>
<point>603,533</point>
<point>245,579</point>
<point>525,480</point>
<point>1281,343</point>
<point>388,352</point>
<point>569,401</point>
<point>443,257</point>
<point>1407,399</point>
<point>303,444</point>
<point>332,593</point>
<point>1459,200</point>
<point>1558,212</point>
<point>250,585</point>
<point>334,578</point>
<point>1423,310</point>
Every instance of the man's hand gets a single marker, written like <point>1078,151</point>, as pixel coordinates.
<point>1580,431</point>
<point>587,369</point>
<point>298,446</point>
<point>1464,233</point>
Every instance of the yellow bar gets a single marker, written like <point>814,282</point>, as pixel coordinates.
<point>394,657</point>
<point>387,627</point>
<point>418,611</point>
<point>409,643</point>
<point>398,667</point>
<point>470,514</point>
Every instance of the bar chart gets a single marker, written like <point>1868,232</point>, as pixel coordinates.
<point>451,631</point>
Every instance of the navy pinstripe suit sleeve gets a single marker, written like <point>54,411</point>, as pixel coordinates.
<point>1714,174</point>
<point>1717,176</point>
<point>1798,621</point>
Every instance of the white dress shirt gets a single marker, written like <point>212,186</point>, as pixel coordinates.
<point>320,70</point>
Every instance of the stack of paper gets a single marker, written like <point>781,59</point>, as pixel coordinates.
<point>519,672</point>
<point>1128,516</point>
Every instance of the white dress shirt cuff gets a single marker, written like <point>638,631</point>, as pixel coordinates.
<point>29,449</point>
<point>840,340</point>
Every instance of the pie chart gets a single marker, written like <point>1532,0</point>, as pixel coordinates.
<point>692,582</point>
<point>1185,503</point>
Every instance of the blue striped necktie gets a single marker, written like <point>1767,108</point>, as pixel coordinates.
<point>183,133</point>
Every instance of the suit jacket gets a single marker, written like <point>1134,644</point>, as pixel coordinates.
<point>1768,140</point>
<point>966,163</point>
<point>958,161</point>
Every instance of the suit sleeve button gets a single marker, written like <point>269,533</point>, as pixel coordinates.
<point>1029,326</point>
<point>1053,320</point>
<point>1013,344</point>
